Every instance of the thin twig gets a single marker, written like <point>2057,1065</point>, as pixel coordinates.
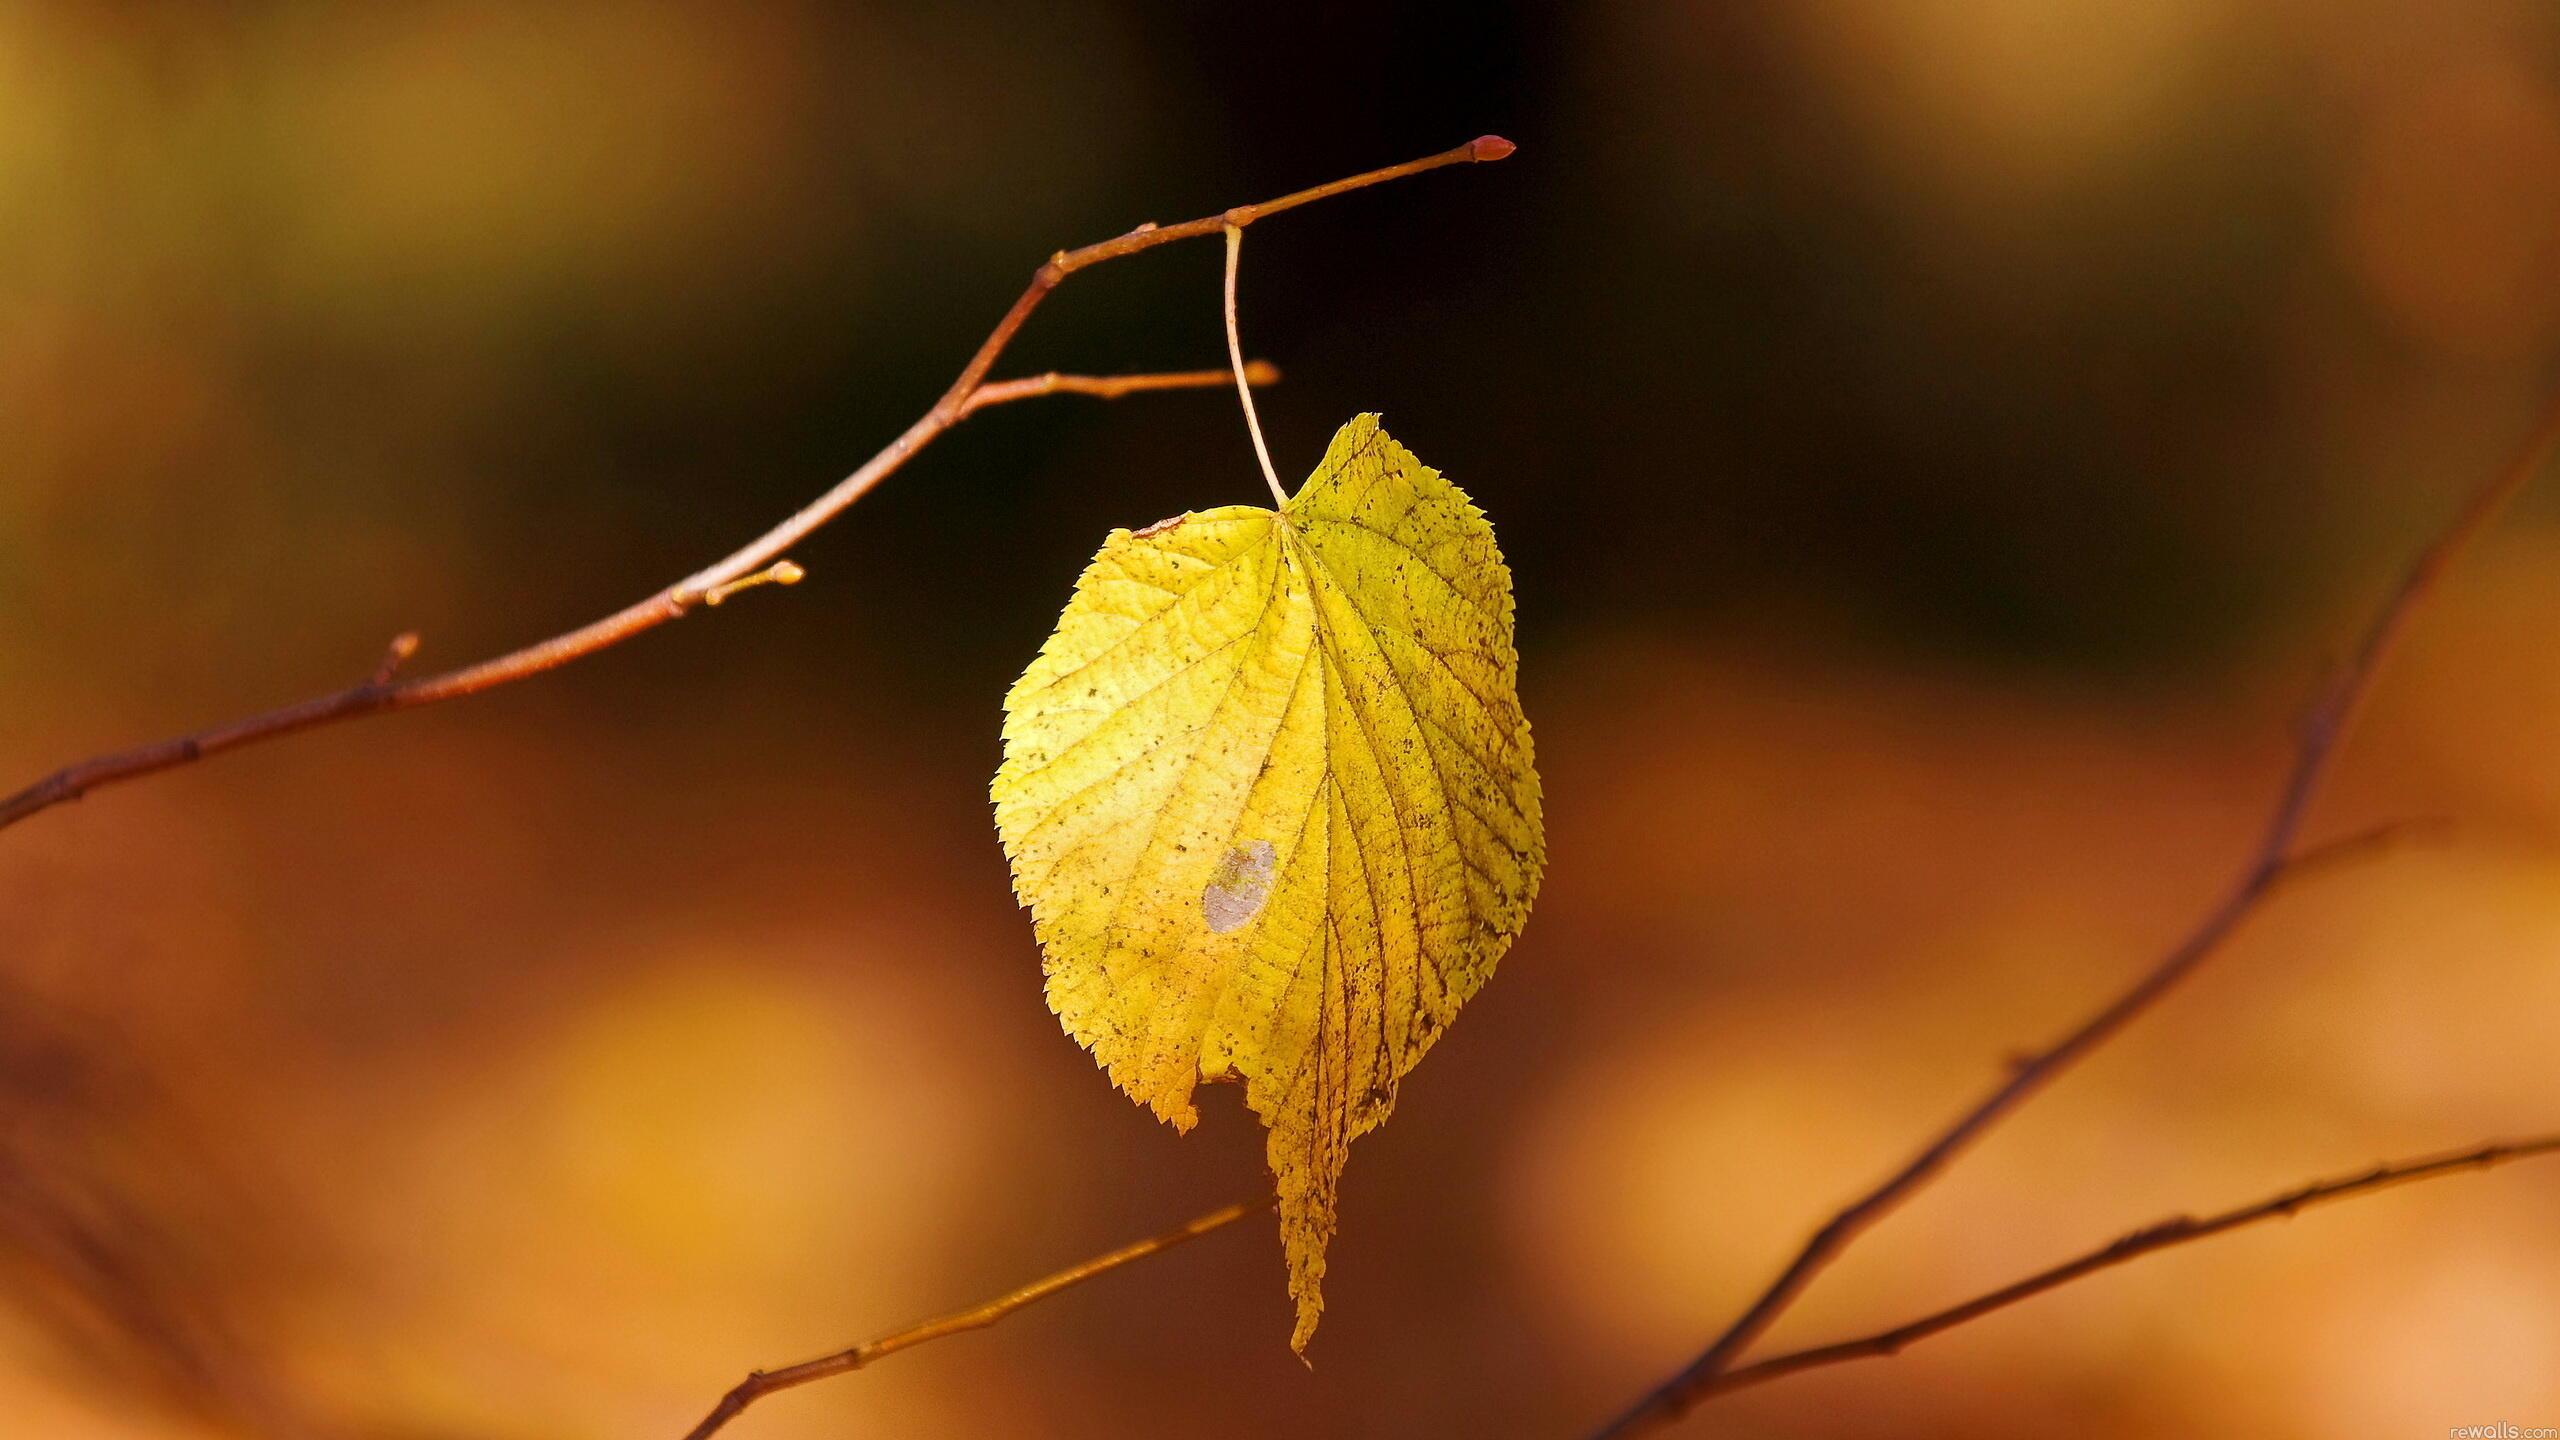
<point>1235,357</point>
<point>977,1317</point>
<point>2162,1236</point>
<point>1111,387</point>
<point>2324,726</point>
<point>395,655</point>
<point>675,601</point>
<point>780,572</point>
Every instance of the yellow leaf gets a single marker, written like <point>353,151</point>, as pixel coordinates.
<point>1267,792</point>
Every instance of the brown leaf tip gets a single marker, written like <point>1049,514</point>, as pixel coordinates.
<point>1490,147</point>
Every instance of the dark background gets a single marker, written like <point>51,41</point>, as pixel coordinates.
<point>1937,441</point>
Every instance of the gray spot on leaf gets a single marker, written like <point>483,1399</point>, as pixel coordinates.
<point>1238,886</point>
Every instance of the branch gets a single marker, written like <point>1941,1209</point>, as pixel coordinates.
<point>978,1317</point>
<point>2142,1242</point>
<point>968,394</point>
<point>1110,387</point>
<point>2274,859</point>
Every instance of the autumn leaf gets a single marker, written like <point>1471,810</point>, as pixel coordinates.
<point>1268,794</point>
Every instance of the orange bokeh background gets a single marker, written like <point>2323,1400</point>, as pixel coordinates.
<point>1939,443</point>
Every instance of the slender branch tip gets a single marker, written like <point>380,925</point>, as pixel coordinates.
<point>1109,387</point>
<point>780,572</point>
<point>760,1383</point>
<point>395,655</point>
<point>2159,1235</point>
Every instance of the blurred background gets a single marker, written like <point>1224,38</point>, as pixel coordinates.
<point>1939,443</point>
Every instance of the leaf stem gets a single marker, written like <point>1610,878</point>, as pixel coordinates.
<point>1235,357</point>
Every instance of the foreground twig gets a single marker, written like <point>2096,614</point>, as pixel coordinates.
<point>968,394</point>
<point>977,1317</point>
<point>2141,1242</point>
<point>2276,855</point>
<point>102,1196</point>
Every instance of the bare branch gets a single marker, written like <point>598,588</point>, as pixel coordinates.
<point>977,1317</point>
<point>2274,858</point>
<point>677,600</point>
<point>2141,1242</point>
